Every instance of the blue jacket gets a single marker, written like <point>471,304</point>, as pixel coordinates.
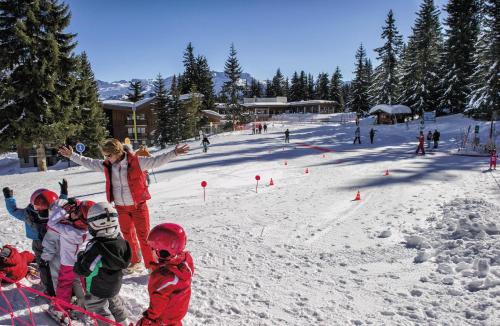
<point>21,214</point>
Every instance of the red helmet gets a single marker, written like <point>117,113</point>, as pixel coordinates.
<point>77,213</point>
<point>42,199</point>
<point>167,237</point>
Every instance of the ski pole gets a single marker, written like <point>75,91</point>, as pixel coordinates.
<point>154,175</point>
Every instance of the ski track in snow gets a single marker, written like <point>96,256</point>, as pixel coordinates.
<point>302,252</point>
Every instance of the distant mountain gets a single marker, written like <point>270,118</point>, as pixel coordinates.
<point>118,90</point>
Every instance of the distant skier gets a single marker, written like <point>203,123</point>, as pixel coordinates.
<point>287,136</point>
<point>357,136</point>
<point>260,128</point>
<point>205,142</point>
<point>265,128</point>
<point>429,139</point>
<point>435,137</point>
<point>421,140</point>
<point>372,135</point>
<point>493,159</point>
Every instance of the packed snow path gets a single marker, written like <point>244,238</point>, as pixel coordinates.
<point>421,247</point>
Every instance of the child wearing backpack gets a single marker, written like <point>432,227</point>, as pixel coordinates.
<point>169,285</point>
<point>102,263</point>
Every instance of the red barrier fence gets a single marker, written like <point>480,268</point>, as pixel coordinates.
<point>60,304</point>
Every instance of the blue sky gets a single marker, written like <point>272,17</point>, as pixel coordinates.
<point>127,39</point>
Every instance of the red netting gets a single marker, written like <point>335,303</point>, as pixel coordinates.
<point>6,308</point>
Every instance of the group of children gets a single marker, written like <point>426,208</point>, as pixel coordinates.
<point>81,255</point>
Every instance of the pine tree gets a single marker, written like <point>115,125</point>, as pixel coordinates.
<point>254,89</point>
<point>422,61</point>
<point>176,113</point>
<point>269,89</point>
<point>347,96</point>
<point>163,133</point>
<point>385,80</point>
<point>135,91</point>
<point>311,92</point>
<point>323,87</point>
<point>37,64</point>
<point>369,81</point>
<point>191,114</point>
<point>335,93</point>
<point>205,84</point>
<point>303,86</point>
<point>294,93</point>
<point>286,87</point>
<point>458,55</point>
<point>232,88</point>
<point>360,101</point>
<point>190,76</point>
<point>88,112</point>
<point>278,84</point>
<point>484,99</point>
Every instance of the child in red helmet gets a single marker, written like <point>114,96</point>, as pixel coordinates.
<point>35,217</point>
<point>14,264</point>
<point>68,219</point>
<point>169,285</point>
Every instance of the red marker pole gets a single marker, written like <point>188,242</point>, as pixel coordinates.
<point>203,184</point>
<point>257,177</point>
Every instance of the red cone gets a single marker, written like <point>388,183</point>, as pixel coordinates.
<point>307,170</point>
<point>286,163</point>
<point>386,172</point>
<point>271,183</point>
<point>358,196</point>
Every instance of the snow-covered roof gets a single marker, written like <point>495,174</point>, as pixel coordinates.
<point>286,104</point>
<point>213,113</point>
<point>390,109</point>
<point>138,104</point>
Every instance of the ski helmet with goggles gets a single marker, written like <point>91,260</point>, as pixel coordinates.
<point>42,199</point>
<point>102,219</point>
<point>78,212</point>
<point>167,239</point>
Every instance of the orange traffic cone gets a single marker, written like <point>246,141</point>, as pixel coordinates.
<point>358,196</point>
<point>307,170</point>
<point>386,172</point>
<point>271,183</point>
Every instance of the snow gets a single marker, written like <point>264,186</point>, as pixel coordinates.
<point>390,109</point>
<point>420,248</point>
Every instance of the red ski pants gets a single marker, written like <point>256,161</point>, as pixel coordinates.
<point>493,163</point>
<point>134,224</point>
<point>65,280</point>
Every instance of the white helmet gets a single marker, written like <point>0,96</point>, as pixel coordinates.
<point>102,219</point>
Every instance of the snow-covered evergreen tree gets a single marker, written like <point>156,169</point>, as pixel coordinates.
<point>190,75</point>
<point>384,88</point>
<point>336,89</point>
<point>360,84</point>
<point>419,75</point>
<point>485,98</point>
<point>254,89</point>
<point>458,55</point>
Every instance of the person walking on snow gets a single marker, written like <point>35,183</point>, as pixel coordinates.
<point>287,136</point>
<point>357,136</point>
<point>429,139</point>
<point>493,159</point>
<point>435,137</point>
<point>265,128</point>
<point>372,135</point>
<point>421,140</point>
<point>126,187</point>
<point>205,142</point>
